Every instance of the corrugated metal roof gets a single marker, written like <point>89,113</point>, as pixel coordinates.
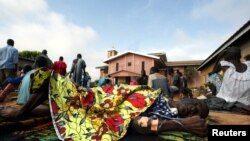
<point>184,63</point>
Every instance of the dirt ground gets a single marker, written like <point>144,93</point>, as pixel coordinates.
<point>226,118</point>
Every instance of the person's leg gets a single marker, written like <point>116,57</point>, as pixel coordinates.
<point>194,124</point>
<point>6,91</point>
<point>34,101</point>
<point>41,110</point>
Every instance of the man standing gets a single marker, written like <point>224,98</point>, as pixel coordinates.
<point>79,69</point>
<point>60,66</point>
<point>157,80</point>
<point>8,60</point>
<point>143,80</point>
<point>45,54</point>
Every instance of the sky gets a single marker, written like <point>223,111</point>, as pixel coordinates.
<point>183,29</point>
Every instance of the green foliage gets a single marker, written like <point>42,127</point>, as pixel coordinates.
<point>190,73</point>
<point>29,54</point>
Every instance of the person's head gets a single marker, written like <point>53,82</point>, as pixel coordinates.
<point>26,68</point>
<point>44,52</point>
<point>10,42</point>
<point>79,55</point>
<point>188,107</point>
<point>108,82</point>
<point>41,62</point>
<point>170,71</point>
<point>180,73</point>
<point>177,71</point>
<point>154,70</point>
<point>187,93</point>
<point>60,58</point>
<point>74,61</point>
<point>232,53</point>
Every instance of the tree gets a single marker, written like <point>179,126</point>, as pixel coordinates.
<point>190,73</point>
<point>29,54</point>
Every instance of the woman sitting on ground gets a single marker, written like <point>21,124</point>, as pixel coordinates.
<point>13,83</point>
<point>24,90</point>
<point>102,113</point>
<point>234,94</point>
<point>236,80</point>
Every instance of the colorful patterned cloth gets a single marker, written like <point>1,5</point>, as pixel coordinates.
<point>216,80</point>
<point>180,136</point>
<point>102,113</point>
<point>161,109</point>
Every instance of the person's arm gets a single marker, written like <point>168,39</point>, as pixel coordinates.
<point>83,66</point>
<point>150,81</point>
<point>35,100</point>
<point>16,59</point>
<point>72,70</point>
<point>16,80</point>
<point>195,125</point>
<point>53,67</point>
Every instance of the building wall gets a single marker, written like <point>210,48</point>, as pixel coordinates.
<point>245,48</point>
<point>204,73</point>
<point>136,63</point>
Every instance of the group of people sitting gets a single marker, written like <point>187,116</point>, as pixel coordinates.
<point>107,111</point>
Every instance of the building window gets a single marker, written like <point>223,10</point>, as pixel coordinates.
<point>129,63</point>
<point>117,66</point>
<point>142,65</point>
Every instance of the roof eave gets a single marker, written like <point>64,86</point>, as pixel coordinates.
<point>245,28</point>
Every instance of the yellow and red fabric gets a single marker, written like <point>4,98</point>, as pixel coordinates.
<point>101,113</point>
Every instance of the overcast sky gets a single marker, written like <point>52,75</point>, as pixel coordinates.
<point>183,29</point>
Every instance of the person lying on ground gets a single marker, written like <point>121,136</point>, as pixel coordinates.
<point>11,84</point>
<point>166,115</point>
<point>98,113</point>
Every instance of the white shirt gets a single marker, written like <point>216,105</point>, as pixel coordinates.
<point>235,85</point>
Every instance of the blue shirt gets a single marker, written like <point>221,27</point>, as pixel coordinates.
<point>8,57</point>
<point>14,80</point>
